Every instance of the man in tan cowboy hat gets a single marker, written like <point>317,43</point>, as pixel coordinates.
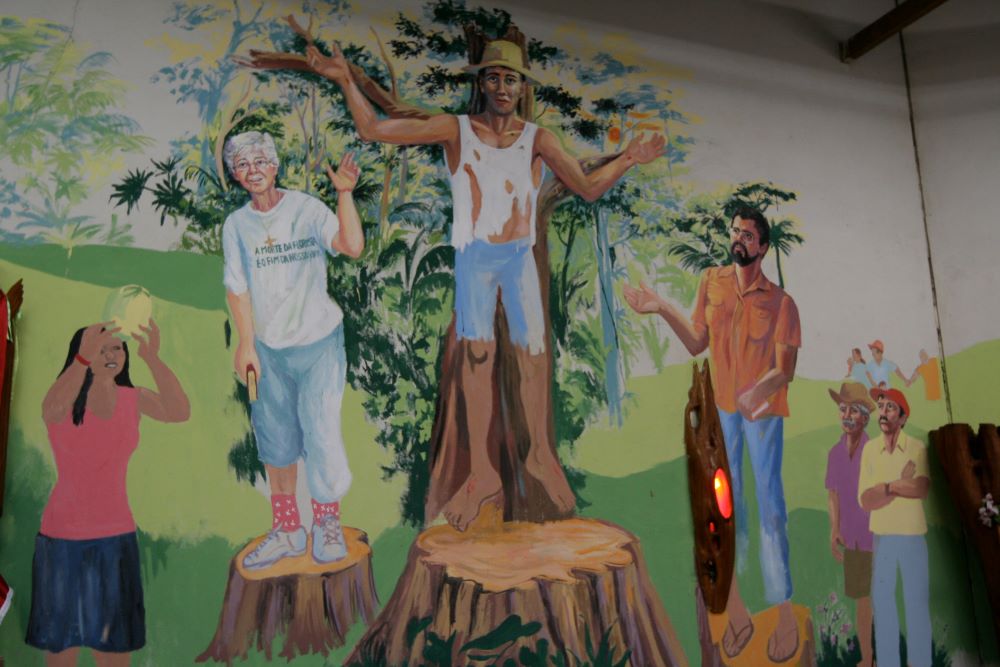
<point>495,160</point>
<point>850,536</point>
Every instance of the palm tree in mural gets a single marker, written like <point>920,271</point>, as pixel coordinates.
<point>701,238</point>
<point>765,196</point>
<point>701,235</point>
<point>783,239</point>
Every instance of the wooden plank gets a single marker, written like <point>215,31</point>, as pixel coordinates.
<point>885,27</point>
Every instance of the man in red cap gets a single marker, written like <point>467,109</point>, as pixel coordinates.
<point>894,480</point>
<point>879,368</point>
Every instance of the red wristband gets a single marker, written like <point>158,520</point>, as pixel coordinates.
<point>79,357</point>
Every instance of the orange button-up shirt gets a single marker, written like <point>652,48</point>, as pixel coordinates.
<point>744,329</point>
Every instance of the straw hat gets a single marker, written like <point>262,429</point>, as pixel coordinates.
<point>853,392</point>
<point>503,53</point>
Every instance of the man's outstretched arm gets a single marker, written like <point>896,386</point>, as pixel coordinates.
<point>591,186</point>
<point>644,300</point>
<point>438,129</point>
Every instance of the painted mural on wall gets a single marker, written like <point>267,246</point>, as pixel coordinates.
<point>430,269</point>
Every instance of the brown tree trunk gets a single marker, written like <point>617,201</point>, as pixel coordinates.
<point>576,578</point>
<point>524,498</point>
<point>311,605</point>
<point>971,463</point>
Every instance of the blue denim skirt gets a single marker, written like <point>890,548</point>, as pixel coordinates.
<point>87,593</point>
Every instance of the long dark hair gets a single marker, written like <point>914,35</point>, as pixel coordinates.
<point>80,404</point>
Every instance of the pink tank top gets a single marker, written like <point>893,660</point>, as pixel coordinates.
<point>89,498</point>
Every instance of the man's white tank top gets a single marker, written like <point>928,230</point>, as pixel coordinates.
<point>503,176</point>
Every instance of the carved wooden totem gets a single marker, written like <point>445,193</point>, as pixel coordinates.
<point>710,490</point>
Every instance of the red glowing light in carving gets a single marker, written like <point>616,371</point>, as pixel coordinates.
<point>723,499</point>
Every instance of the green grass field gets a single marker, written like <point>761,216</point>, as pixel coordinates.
<point>194,514</point>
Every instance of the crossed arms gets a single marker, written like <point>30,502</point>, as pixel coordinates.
<point>909,485</point>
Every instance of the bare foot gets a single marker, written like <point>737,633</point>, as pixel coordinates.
<point>464,506</point>
<point>545,468</point>
<point>783,643</point>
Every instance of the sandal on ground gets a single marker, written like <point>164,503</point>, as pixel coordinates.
<point>783,656</point>
<point>734,642</point>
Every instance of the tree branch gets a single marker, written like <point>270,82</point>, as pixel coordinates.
<point>304,33</point>
<point>388,63</point>
<point>220,141</point>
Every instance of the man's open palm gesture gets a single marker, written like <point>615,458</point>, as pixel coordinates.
<point>642,300</point>
<point>644,152</point>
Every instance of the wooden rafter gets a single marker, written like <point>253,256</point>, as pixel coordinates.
<point>885,27</point>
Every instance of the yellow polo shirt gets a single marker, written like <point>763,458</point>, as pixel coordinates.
<point>903,516</point>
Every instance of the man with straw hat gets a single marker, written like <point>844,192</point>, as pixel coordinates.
<point>495,160</point>
<point>850,536</point>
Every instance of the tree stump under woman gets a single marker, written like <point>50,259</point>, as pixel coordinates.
<point>311,605</point>
<point>567,587</point>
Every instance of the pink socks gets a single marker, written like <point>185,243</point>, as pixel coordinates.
<point>284,512</point>
<point>326,509</point>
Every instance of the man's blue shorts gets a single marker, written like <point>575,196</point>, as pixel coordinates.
<point>481,268</point>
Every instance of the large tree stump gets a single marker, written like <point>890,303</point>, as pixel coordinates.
<point>711,627</point>
<point>312,605</point>
<point>577,578</point>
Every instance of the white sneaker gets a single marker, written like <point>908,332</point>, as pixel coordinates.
<point>328,540</point>
<point>277,545</point>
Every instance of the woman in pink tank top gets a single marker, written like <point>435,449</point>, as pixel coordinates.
<point>86,584</point>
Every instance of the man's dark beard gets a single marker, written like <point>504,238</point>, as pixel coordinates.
<point>745,259</point>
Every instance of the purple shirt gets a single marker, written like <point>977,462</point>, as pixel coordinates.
<point>842,472</point>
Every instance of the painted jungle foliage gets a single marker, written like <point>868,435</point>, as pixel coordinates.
<point>422,282</point>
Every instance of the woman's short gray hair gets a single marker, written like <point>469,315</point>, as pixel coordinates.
<point>238,143</point>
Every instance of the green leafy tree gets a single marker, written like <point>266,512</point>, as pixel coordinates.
<point>397,298</point>
<point>701,232</point>
<point>59,126</point>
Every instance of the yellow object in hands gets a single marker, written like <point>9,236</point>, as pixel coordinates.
<point>129,307</point>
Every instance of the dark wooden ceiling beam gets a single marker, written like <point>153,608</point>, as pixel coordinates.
<point>885,27</point>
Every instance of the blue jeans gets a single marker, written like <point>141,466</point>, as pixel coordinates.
<point>908,553</point>
<point>764,439</point>
<point>297,413</point>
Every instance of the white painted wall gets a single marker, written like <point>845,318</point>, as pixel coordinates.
<point>954,56</point>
